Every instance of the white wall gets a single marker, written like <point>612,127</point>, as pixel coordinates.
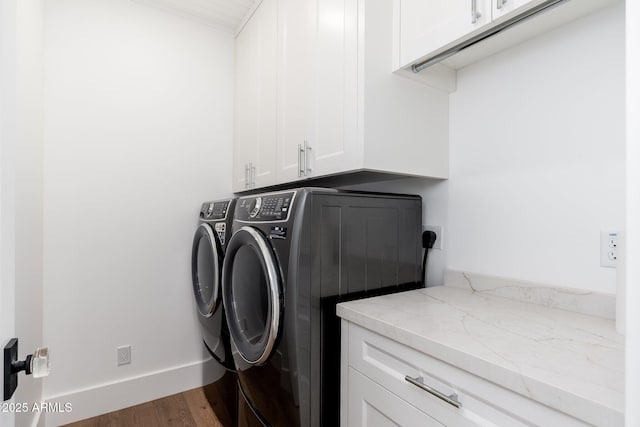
<point>632,377</point>
<point>138,131</point>
<point>536,159</point>
<point>537,156</point>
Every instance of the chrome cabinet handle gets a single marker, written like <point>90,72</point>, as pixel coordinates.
<point>253,175</point>
<point>307,149</point>
<point>301,152</point>
<point>500,3</point>
<point>475,14</point>
<point>249,177</point>
<point>246,175</point>
<point>419,382</point>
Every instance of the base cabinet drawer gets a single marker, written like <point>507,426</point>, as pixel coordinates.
<point>371,405</point>
<point>448,395</point>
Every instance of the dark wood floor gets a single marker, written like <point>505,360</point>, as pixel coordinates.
<point>188,409</point>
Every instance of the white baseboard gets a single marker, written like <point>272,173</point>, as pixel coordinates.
<point>38,420</point>
<point>110,397</point>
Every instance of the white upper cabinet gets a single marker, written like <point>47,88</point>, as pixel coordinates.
<point>244,113</point>
<point>294,90</point>
<point>363,117</point>
<point>441,36</point>
<point>500,8</point>
<point>338,107</point>
<point>318,86</point>
<point>429,25</point>
<point>332,140</point>
<point>255,138</point>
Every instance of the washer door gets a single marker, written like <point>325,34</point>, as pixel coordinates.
<point>252,295</point>
<point>206,263</point>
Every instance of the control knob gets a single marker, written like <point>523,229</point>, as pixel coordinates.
<point>255,206</point>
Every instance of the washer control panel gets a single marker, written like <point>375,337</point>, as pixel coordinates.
<point>221,230</point>
<point>270,207</point>
<point>214,210</point>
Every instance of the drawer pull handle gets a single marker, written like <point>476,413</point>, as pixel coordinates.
<point>419,382</point>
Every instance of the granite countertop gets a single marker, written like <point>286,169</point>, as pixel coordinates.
<point>569,361</point>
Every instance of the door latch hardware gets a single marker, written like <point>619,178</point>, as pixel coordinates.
<point>36,364</point>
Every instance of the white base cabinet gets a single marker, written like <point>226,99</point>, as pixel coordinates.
<point>375,390</point>
<point>371,405</point>
<point>332,102</point>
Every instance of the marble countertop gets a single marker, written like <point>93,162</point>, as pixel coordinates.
<point>569,361</point>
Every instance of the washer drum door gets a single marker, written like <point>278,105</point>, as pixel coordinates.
<point>252,295</point>
<point>206,263</point>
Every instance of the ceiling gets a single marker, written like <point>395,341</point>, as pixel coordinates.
<point>223,13</point>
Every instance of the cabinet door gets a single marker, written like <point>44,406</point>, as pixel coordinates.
<point>371,405</point>
<point>501,8</point>
<point>334,116</point>
<point>255,99</point>
<point>265,72</point>
<point>429,25</point>
<point>245,124</point>
<point>294,70</point>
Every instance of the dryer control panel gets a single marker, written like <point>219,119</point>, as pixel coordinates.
<point>266,207</point>
<point>212,211</point>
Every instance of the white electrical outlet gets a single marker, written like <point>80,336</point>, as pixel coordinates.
<point>438,230</point>
<point>124,355</point>
<point>608,248</point>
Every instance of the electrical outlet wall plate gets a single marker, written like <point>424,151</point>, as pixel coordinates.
<point>124,355</point>
<point>439,236</point>
<point>609,248</point>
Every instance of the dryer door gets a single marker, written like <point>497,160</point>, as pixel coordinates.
<point>206,262</point>
<point>252,295</point>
